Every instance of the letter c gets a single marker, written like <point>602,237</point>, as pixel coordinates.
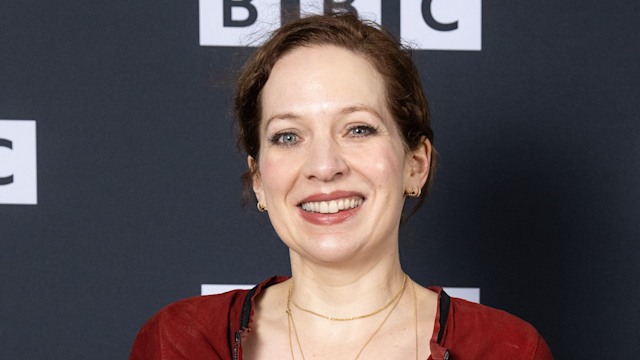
<point>7,179</point>
<point>433,23</point>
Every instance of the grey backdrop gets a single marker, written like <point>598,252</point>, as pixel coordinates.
<point>536,199</point>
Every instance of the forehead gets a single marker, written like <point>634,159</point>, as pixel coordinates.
<point>322,79</point>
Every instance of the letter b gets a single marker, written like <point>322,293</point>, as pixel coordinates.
<point>246,4</point>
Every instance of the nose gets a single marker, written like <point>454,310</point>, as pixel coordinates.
<point>325,161</point>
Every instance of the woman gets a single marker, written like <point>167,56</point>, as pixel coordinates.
<point>333,118</point>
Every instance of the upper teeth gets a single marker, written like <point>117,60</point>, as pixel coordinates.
<point>332,206</point>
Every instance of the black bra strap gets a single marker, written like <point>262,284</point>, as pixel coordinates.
<point>245,316</point>
<point>246,308</point>
<point>445,303</point>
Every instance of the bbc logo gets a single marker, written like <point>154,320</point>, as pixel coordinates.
<point>424,24</point>
<point>18,174</point>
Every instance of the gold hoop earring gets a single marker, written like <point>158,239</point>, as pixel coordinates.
<point>414,193</point>
<point>261,207</point>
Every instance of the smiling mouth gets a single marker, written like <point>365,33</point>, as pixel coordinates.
<point>332,206</point>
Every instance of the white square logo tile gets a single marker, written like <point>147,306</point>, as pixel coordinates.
<point>237,23</point>
<point>442,24</point>
<point>18,172</point>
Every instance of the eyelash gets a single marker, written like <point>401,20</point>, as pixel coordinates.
<point>277,138</point>
<point>372,130</point>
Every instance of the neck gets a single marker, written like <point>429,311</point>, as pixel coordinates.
<point>345,291</point>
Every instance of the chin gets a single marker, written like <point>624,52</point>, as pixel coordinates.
<point>332,250</point>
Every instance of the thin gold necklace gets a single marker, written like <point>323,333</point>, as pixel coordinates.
<point>415,314</point>
<point>395,297</point>
<point>291,323</point>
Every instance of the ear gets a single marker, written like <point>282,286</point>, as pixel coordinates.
<point>255,179</point>
<point>418,165</point>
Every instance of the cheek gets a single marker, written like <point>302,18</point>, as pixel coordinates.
<point>385,169</point>
<point>275,174</point>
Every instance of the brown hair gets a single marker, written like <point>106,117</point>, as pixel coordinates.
<point>406,100</point>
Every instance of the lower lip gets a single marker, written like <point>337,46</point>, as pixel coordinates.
<point>328,219</point>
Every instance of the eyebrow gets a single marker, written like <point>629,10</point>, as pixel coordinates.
<point>285,116</point>
<point>345,111</point>
<point>357,108</point>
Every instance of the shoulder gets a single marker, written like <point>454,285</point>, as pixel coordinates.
<point>478,331</point>
<point>190,328</point>
<point>196,328</point>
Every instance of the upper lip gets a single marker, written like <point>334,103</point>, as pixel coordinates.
<point>335,195</point>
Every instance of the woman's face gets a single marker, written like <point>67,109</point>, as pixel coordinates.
<point>332,168</point>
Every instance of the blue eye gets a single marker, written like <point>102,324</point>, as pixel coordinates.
<point>362,130</point>
<point>285,138</point>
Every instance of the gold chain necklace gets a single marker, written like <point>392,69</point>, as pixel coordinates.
<point>395,297</point>
<point>291,323</point>
<point>415,314</point>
